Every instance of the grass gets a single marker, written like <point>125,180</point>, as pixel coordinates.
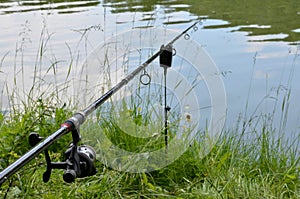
<point>247,163</point>
<point>235,168</point>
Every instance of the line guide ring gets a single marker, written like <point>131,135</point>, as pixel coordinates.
<point>145,78</point>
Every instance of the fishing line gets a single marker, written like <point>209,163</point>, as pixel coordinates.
<point>185,91</point>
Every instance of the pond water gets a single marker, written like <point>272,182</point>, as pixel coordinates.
<point>255,45</point>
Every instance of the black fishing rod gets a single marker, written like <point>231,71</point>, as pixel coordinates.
<point>79,160</point>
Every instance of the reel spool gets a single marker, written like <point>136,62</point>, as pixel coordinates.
<point>86,158</point>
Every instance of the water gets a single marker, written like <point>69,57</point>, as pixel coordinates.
<point>254,44</point>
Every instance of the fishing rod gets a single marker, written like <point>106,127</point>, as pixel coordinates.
<point>80,160</point>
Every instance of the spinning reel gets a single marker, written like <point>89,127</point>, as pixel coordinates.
<point>79,160</point>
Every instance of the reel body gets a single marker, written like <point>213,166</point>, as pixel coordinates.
<point>79,161</point>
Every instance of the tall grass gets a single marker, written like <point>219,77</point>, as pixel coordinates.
<point>238,166</point>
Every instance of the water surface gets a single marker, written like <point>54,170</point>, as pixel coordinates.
<point>255,44</point>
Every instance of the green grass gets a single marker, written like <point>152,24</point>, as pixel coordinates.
<point>237,167</point>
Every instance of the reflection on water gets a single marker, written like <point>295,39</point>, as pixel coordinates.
<point>8,7</point>
<point>277,18</point>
